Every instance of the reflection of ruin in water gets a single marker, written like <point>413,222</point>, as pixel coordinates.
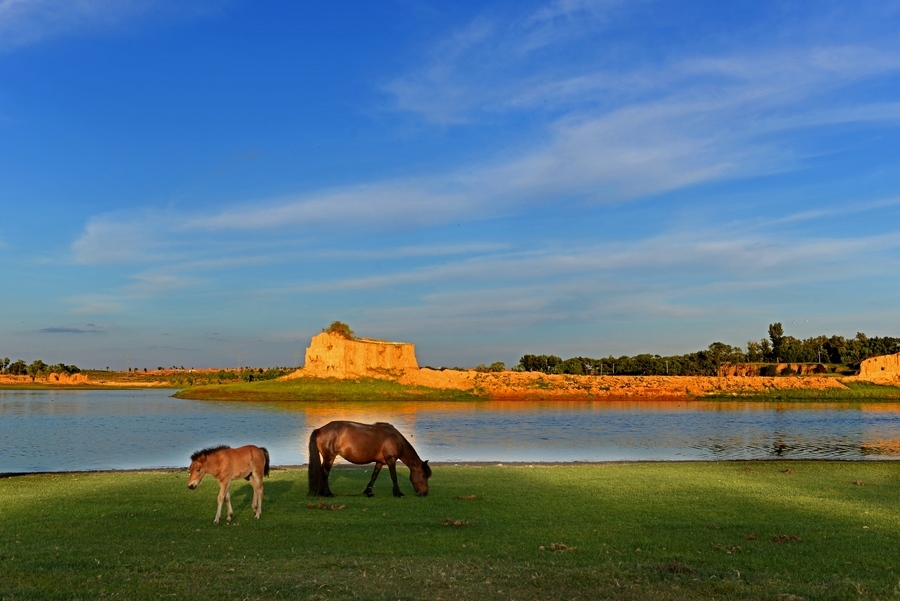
<point>881,447</point>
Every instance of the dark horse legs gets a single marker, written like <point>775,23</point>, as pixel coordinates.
<point>392,468</point>
<point>326,471</point>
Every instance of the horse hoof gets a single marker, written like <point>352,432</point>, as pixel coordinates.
<point>369,493</point>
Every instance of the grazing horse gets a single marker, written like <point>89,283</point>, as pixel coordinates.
<point>225,464</point>
<point>363,443</point>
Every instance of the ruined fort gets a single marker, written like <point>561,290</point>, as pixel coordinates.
<point>334,356</point>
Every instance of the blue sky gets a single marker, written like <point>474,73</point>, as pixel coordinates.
<point>212,183</point>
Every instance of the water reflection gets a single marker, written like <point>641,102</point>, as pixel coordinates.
<point>87,430</point>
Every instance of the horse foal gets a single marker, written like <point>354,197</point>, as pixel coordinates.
<point>226,464</point>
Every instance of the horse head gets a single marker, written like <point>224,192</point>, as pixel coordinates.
<point>197,471</point>
<point>419,478</point>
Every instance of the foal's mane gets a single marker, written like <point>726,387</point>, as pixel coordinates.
<point>208,451</point>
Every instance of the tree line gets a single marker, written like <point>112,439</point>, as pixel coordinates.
<point>777,348</point>
<point>35,369</point>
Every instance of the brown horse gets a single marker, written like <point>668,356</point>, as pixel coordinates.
<point>363,443</point>
<point>225,464</point>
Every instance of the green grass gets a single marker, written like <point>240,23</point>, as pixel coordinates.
<point>323,389</point>
<point>368,389</point>
<point>732,530</point>
<point>855,391</point>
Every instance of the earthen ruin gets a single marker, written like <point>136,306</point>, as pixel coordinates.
<point>881,368</point>
<point>333,356</point>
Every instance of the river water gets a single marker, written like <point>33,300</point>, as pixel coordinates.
<point>59,430</point>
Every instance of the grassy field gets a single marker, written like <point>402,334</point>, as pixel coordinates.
<point>731,530</point>
<point>323,389</point>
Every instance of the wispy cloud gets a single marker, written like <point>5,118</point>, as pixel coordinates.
<point>610,136</point>
<point>89,328</point>
<point>26,22</point>
<point>575,134</point>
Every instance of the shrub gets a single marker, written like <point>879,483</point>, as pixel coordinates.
<point>341,329</point>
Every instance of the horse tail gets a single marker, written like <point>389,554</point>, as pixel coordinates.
<point>315,473</point>
<point>266,455</point>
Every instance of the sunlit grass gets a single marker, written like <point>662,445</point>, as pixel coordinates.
<point>322,389</point>
<point>736,530</point>
<point>855,391</point>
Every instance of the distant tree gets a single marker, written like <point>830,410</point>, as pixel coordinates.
<point>755,352</point>
<point>498,366</point>
<point>61,368</point>
<point>36,368</point>
<point>4,363</point>
<point>18,368</point>
<point>572,366</point>
<point>720,353</point>
<point>542,363</point>
<point>341,329</point>
<point>776,335</point>
<point>529,363</point>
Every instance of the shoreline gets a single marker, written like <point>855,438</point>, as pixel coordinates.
<point>463,464</point>
<point>517,386</point>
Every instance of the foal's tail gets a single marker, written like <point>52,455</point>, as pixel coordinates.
<point>315,473</point>
<point>266,454</point>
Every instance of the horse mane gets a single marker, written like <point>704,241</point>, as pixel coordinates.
<point>411,451</point>
<point>207,451</point>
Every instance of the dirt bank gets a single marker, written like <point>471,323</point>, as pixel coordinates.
<point>510,384</point>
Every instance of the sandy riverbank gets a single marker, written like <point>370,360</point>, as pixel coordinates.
<point>510,384</point>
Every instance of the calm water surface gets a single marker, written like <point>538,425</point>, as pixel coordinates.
<point>131,429</point>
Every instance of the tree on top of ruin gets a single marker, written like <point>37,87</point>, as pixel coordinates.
<point>341,329</point>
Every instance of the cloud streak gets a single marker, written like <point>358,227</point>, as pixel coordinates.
<point>29,22</point>
<point>86,329</point>
<point>547,166</point>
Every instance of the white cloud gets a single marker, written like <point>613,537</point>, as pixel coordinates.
<point>118,239</point>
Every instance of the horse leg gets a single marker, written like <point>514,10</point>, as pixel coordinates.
<point>228,500</point>
<point>223,493</point>
<point>327,462</point>
<point>256,483</point>
<point>392,466</point>
<point>368,491</point>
